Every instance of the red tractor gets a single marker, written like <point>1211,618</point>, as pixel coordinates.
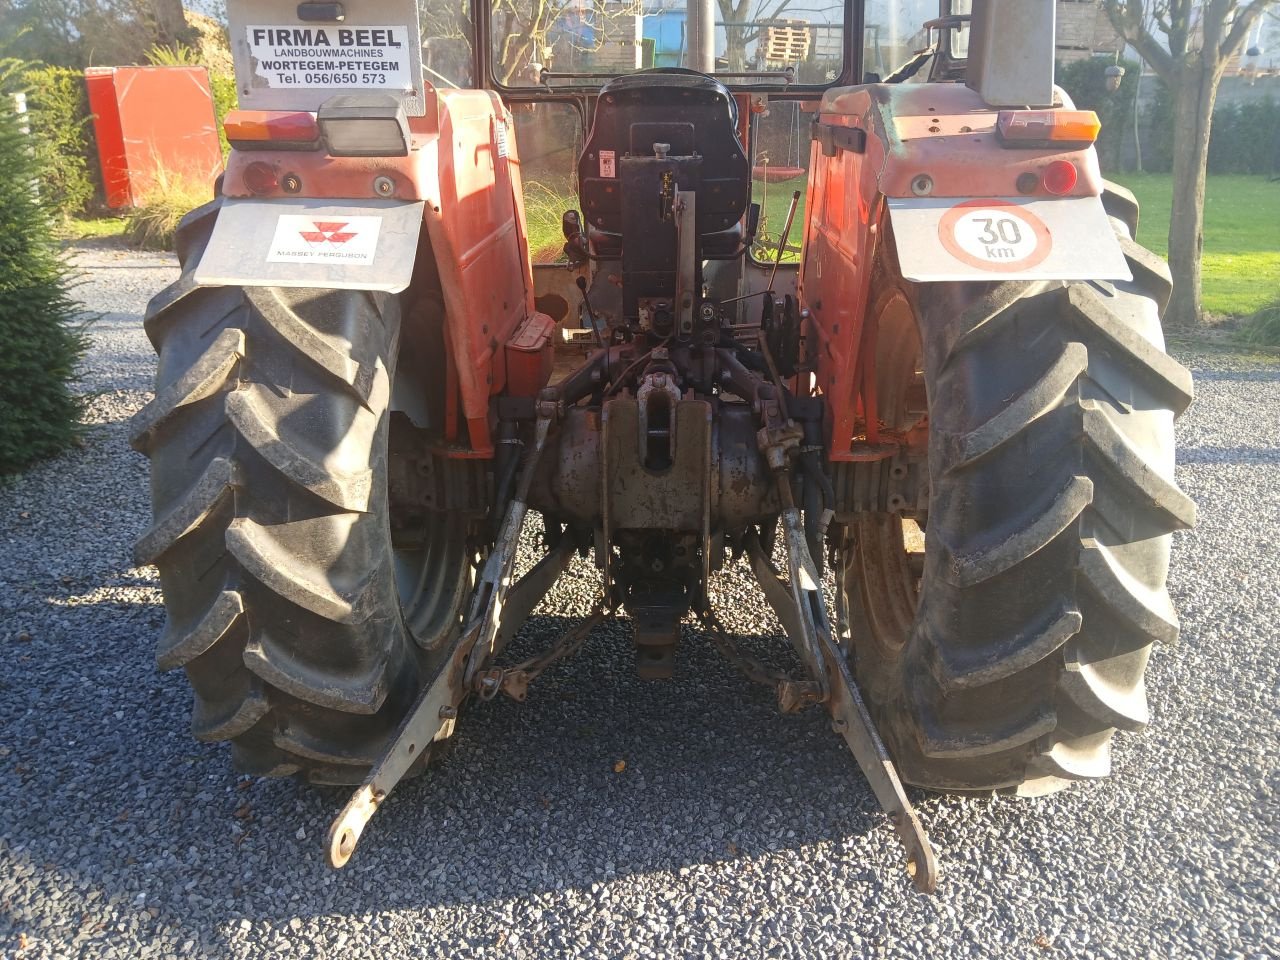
<point>954,402</point>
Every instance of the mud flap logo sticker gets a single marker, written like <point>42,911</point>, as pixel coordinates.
<point>346,240</point>
<point>995,235</point>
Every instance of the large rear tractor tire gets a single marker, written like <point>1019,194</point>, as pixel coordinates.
<point>1007,658</point>
<point>306,626</point>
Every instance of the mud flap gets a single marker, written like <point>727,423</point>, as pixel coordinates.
<point>1003,238</point>
<point>352,245</point>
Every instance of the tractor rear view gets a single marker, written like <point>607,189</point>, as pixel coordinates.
<point>955,402</point>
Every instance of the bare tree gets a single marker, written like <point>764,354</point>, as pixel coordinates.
<point>521,27</point>
<point>446,41</point>
<point>742,27</point>
<point>1188,43</point>
<point>533,32</point>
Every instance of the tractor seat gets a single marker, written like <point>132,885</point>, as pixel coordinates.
<point>697,116</point>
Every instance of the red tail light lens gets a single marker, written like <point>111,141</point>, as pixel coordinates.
<point>1060,177</point>
<point>260,178</point>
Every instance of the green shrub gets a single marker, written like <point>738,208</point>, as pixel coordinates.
<point>42,343</point>
<point>58,113</point>
<point>1263,328</point>
<point>1157,130</point>
<point>179,55</point>
<point>1245,138</point>
<point>225,98</point>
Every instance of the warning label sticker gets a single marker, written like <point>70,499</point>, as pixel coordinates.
<point>375,58</point>
<point>608,164</point>
<point>299,239</point>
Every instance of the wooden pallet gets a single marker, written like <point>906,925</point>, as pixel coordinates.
<point>786,41</point>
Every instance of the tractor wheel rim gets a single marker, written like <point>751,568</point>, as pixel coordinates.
<point>430,548</point>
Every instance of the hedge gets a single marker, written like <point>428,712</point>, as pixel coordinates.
<point>62,131</point>
<point>225,98</point>
<point>39,413</point>
<point>1245,136</point>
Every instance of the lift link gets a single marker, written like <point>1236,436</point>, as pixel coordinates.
<point>432,717</point>
<point>793,695</point>
<point>514,681</point>
<point>850,719</point>
<point>809,629</point>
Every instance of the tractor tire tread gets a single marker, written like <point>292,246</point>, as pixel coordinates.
<point>266,436</point>
<point>1053,504</point>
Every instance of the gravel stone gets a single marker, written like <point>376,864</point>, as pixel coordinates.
<point>730,832</point>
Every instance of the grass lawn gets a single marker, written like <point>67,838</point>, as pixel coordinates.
<point>1241,270</point>
<point>546,200</point>
<point>774,200</point>
<point>77,228</point>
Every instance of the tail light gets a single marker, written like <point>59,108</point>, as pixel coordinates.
<point>260,178</point>
<point>364,125</point>
<point>1060,177</point>
<point>271,130</point>
<point>1047,128</point>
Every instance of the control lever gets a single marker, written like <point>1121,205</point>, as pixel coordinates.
<point>575,247</point>
<point>591,314</point>
<point>782,240</point>
<point>753,224</point>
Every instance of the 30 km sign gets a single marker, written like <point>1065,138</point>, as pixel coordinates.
<point>1003,238</point>
<point>325,57</point>
<point>994,235</point>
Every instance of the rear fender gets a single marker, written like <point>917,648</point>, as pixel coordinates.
<point>456,197</point>
<point>922,163</point>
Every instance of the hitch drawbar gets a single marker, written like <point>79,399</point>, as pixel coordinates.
<point>498,608</point>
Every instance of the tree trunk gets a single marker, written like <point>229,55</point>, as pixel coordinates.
<point>170,23</point>
<point>735,48</point>
<point>1194,96</point>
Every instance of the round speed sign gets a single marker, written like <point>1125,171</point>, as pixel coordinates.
<point>995,235</point>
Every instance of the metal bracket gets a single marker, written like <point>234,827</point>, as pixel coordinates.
<point>833,138</point>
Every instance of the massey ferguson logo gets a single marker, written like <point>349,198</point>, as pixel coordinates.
<point>325,232</point>
<point>301,238</point>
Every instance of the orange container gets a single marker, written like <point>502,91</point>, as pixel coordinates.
<point>152,122</point>
<point>530,354</point>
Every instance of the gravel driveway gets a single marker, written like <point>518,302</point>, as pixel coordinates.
<point>731,831</point>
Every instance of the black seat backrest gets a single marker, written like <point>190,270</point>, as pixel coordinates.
<point>693,113</point>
